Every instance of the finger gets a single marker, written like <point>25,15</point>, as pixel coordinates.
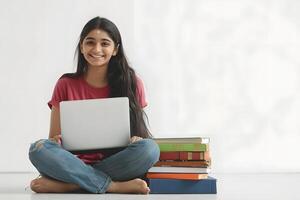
<point>57,138</point>
<point>132,140</point>
<point>136,139</point>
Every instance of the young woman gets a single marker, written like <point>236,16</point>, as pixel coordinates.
<point>102,72</point>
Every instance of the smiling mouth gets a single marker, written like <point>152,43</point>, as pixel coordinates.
<point>97,56</point>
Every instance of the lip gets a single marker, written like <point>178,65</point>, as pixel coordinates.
<point>96,56</point>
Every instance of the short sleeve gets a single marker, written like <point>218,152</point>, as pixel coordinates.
<point>141,96</point>
<point>59,93</point>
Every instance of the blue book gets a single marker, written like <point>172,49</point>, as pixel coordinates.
<point>173,186</point>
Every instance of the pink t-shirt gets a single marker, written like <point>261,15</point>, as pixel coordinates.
<point>67,89</point>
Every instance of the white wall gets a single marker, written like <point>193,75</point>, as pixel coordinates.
<point>229,70</point>
<point>38,41</point>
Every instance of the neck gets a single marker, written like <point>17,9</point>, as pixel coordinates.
<point>96,76</point>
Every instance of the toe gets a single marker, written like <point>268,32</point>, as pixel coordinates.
<point>33,183</point>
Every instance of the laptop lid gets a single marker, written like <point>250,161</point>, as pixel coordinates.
<point>95,123</point>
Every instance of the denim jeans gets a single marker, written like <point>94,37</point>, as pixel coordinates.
<point>51,160</point>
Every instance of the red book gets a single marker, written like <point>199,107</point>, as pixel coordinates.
<point>194,155</point>
<point>201,155</point>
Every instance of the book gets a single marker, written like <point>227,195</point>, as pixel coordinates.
<point>177,176</point>
<point>201,140</point>
<point>182,147</point>
<point>197,170</point>
<point>175,155</point>
<point>201,163</point>
<point>173,186</point>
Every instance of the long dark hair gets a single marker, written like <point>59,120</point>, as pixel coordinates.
<point>121,77</point>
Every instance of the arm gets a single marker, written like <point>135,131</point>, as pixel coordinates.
<point>54,124</point>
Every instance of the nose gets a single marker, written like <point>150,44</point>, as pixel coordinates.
<point>98,47</point>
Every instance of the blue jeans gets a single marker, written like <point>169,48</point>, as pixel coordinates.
<point>51,160</point>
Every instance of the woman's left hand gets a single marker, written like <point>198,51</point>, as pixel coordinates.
<point>134,139</point>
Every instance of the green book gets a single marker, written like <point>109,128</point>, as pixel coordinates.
<point>182,147</point>
<point>202,140</point>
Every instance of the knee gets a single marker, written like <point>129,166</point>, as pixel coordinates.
<point>37,148</point>
<point>149,149</point>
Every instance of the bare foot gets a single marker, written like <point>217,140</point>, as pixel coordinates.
<point>135,186</point>
<point>46,185</point>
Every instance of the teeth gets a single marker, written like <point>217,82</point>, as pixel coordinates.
<point>97,56</point>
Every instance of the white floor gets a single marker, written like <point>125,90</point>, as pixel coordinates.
<point>279,186</point>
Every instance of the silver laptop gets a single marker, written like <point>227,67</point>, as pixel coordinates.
<point>95,124</point>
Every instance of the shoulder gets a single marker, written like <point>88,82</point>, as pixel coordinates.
<point>139,82</point>
<point>65,80</point>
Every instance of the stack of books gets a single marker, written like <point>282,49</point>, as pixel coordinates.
<point>182,168</point>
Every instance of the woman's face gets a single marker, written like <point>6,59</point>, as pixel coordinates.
<point>97,48</point>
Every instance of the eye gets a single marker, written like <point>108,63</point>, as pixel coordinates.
<point>89,42</point>
<point>105,44</point>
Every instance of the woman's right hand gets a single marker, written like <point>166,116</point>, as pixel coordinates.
<point>57,139</point>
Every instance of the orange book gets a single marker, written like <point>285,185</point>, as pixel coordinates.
<point>177,176</point>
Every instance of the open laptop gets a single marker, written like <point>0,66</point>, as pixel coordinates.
<point>90,125</point>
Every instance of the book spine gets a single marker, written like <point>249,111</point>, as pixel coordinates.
<point>188,170</point>
<point>201,163</point>
<point>176,176</point>
<point>169,156</point>
<point>172,186</point>
<point>182,147</point>
<point>182,140</point>
<point>203,155</point>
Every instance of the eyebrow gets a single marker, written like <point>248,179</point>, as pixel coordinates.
<point>104,39</point>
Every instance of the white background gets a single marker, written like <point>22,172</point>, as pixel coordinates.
<point>229,70</point>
